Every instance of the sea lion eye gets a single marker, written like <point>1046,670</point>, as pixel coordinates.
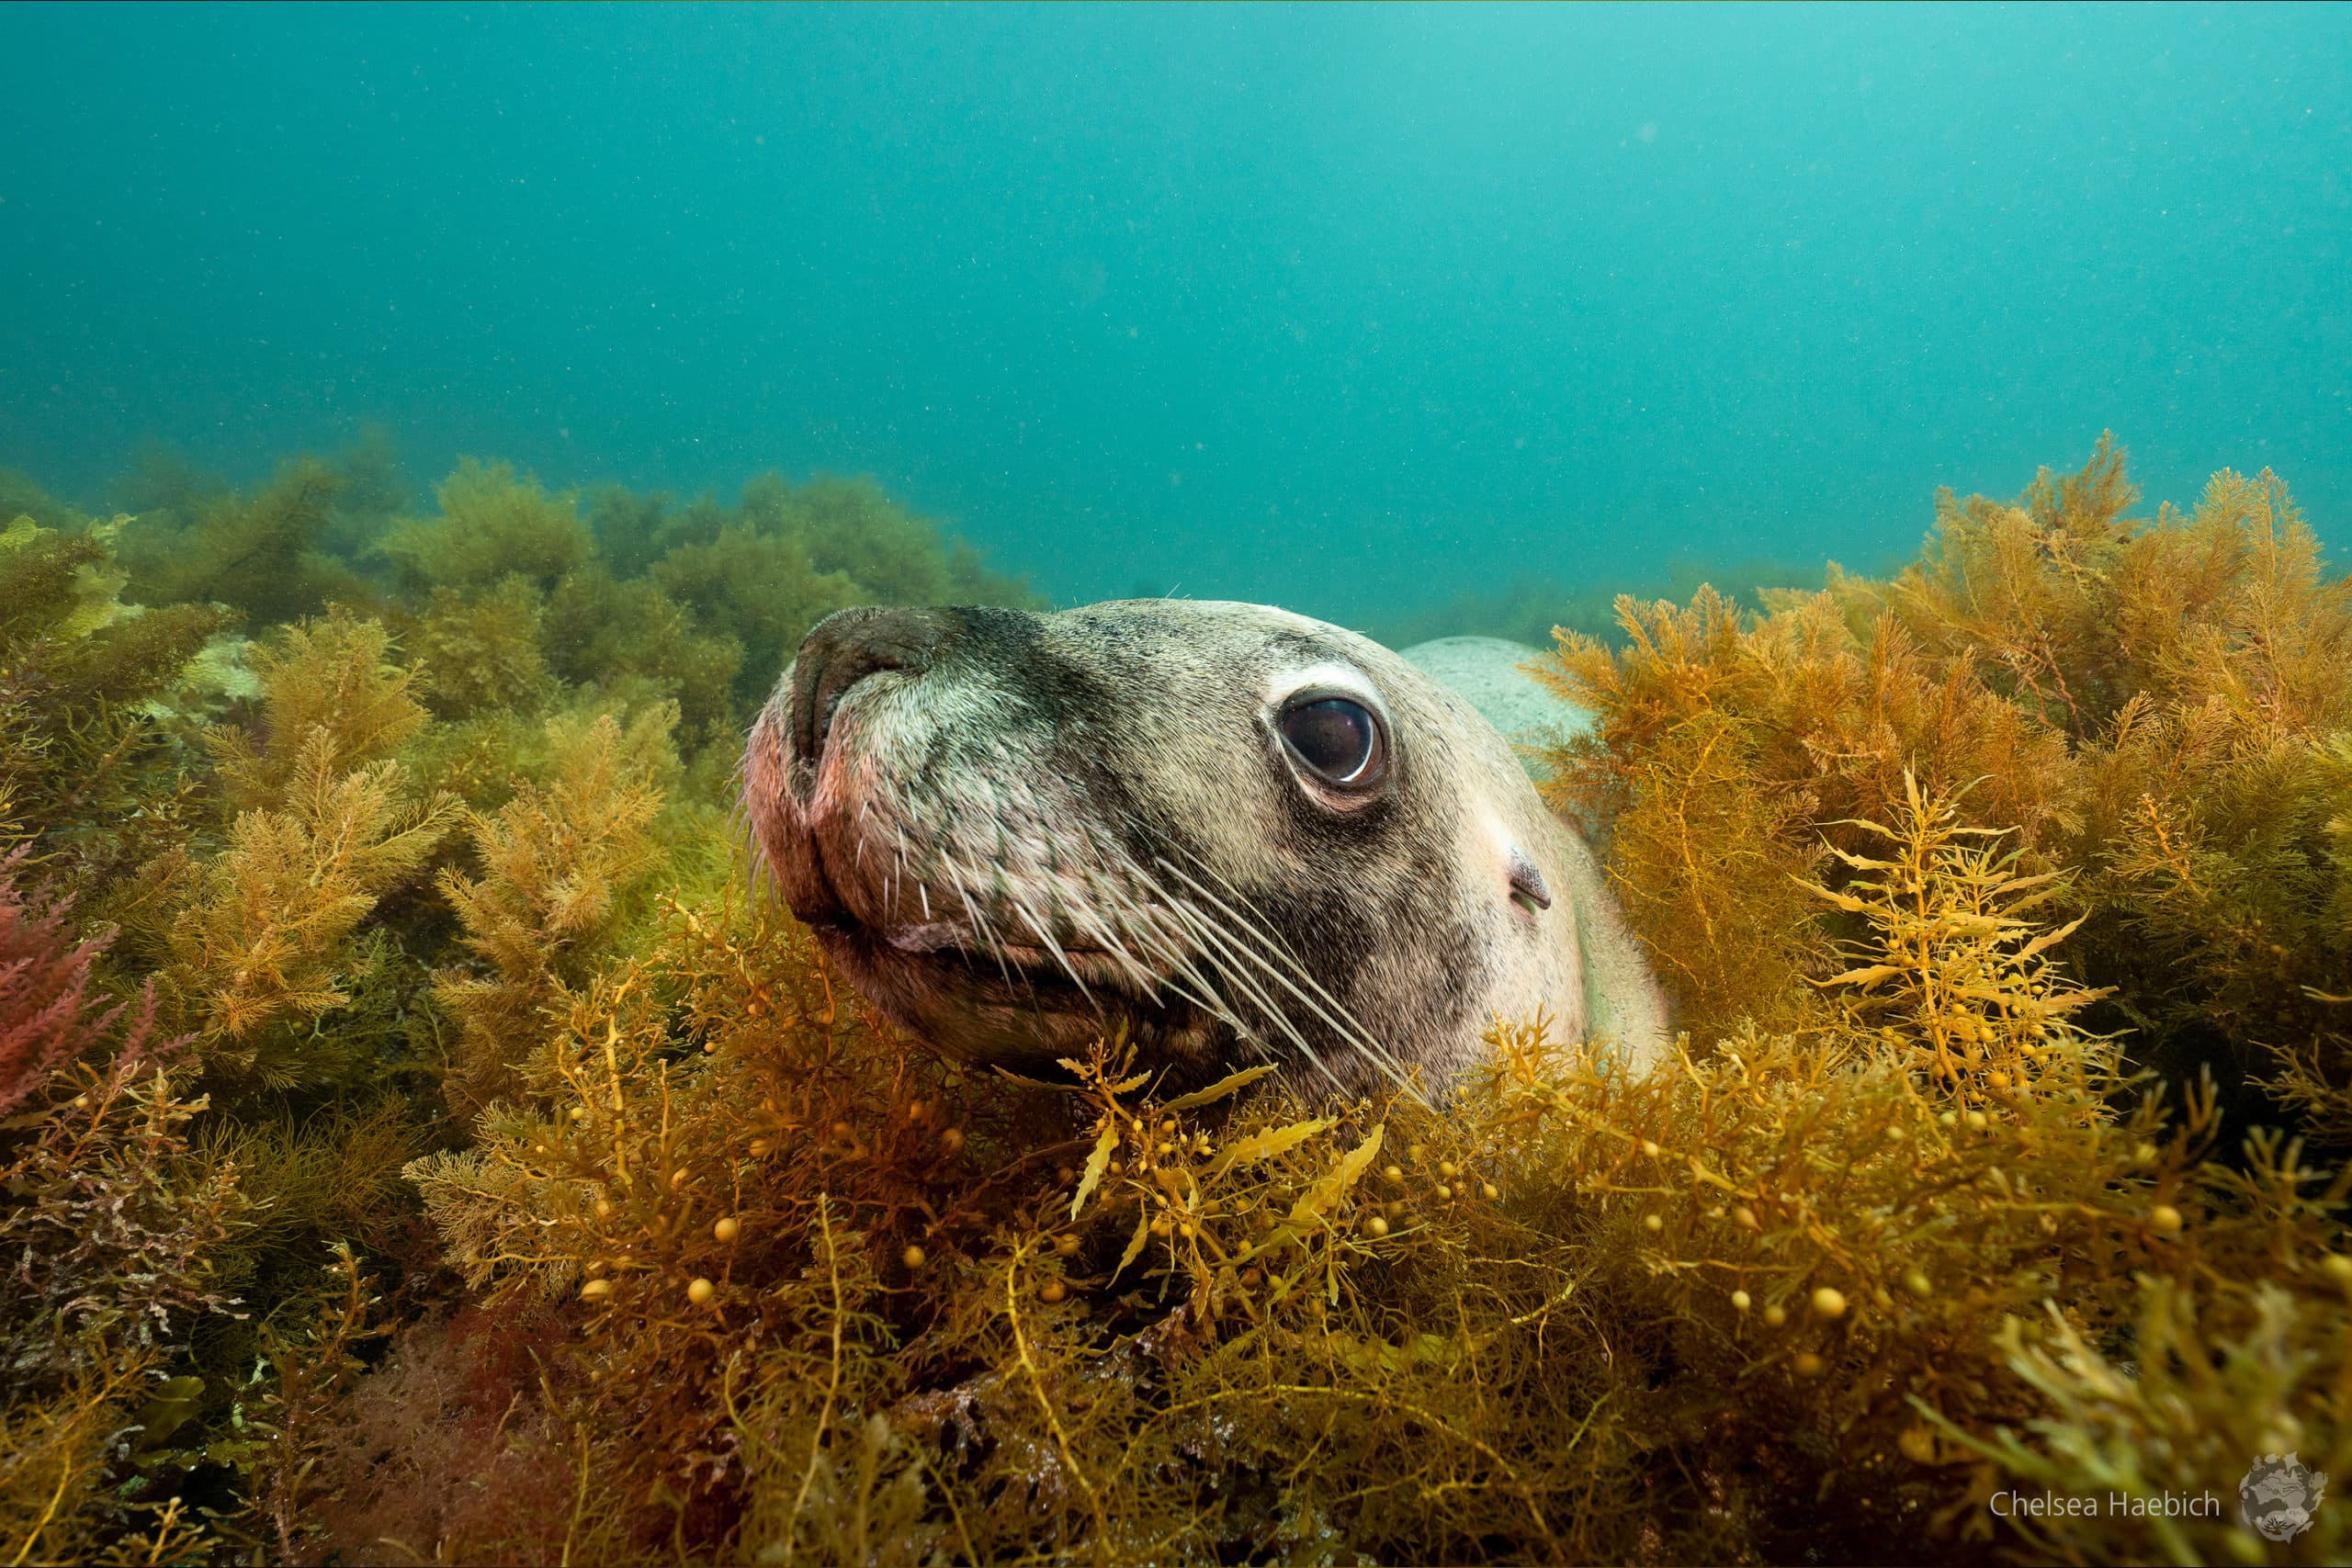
<point>1338,740</point>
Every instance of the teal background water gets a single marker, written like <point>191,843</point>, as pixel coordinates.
<point>1347,309</point>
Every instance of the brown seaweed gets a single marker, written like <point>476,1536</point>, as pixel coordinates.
<point>696,1259</point>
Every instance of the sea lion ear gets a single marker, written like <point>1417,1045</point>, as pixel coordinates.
<point>1527,886</point>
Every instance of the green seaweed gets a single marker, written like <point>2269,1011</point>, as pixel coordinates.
<point>625,638</point>
<point>485,654</point>
<point>492,524</point>
<point>88,755</point>
<point>261,554</point>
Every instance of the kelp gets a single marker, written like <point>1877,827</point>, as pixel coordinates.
<point>528,1189</point>
<point>22,496</point>
<point>763,590</point>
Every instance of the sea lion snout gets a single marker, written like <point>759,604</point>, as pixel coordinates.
<point>846,647</point>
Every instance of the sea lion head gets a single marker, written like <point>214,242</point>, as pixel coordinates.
<point>1238,833</point>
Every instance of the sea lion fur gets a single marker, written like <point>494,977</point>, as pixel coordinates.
<point>1012,831</point>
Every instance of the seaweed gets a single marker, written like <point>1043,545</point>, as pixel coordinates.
<point>20,496</point>
<point>617,635</point>
<point>296,1388</point>
<point>850,527</point>
<point>762,591</point>
<point>48,1016</point>
<point>762,573</point>
<point>1529,609</point>
<point>370,493</point>
<point>484,655</point>
<point>262,941</point>
<point>559,865</point>
<point>262,555</point>
<point>529,1188</point>
<point>87,764</point>
<point>2155,706</point>
<point>265,855</point>
<point>492,524</point>
<point>332,701</point>
<point>258,942</point>
<point>111,1242</point>
<point>825,1287</point>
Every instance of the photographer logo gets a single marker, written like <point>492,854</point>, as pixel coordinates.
<point>2280,1494</point>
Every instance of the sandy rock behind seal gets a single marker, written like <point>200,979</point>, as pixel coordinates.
<point>1486,672</point>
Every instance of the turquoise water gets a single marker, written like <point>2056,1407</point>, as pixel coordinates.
<point>1352,310</point>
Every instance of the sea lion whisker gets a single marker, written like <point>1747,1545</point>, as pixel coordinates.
<point>1280,1020</point>
<point>980,925</point>
<point>1368,1048</point>
<point>1047,938</point>
<point>1138,932</point>
<point>1365,1038</point>
<point>1150,924</point>
<point>898,879</point>
<point>1178,959</point>
<point>743,838</point>
<point>1213,945</point>
<point>1204,995</point>
<point>1356,1035</point>
<point>1346,1022</point>
<point>1083,918</point>
<point>1199,993</point>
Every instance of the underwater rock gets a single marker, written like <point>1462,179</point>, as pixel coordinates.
<point>1491,674</point>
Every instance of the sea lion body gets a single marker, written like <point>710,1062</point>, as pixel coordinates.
<point>1012,830</point>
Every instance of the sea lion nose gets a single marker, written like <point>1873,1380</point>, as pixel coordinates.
<point>844,649</point>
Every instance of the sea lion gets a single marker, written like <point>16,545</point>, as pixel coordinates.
<point>1239,833</point>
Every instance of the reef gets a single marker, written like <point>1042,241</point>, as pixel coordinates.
<point>421,1140</point>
